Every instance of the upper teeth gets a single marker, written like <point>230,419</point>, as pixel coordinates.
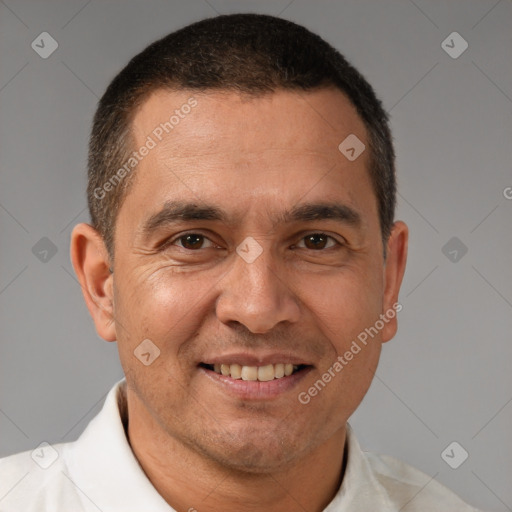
<point>261,373</point>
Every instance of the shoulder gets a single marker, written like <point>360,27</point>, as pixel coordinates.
<point>63,476</point>
<point>411,489</point>
<point>37,480</point>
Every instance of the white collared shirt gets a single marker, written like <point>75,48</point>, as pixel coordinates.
<point>99,472</point>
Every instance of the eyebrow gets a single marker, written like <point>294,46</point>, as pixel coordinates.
<point>182,211</point>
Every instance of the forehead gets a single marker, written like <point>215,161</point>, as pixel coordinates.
<point>215,120</point>
<point>227,147</point>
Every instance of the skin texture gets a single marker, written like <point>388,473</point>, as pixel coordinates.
<point>200,445</point>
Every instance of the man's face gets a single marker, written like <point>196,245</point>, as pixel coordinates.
<point>316,285</point>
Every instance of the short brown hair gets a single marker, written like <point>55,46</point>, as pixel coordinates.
<point>248,53</point>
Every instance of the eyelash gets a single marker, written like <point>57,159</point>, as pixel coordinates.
<point>183,235</point>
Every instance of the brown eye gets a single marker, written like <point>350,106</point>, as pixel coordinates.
<point>318,241</point>
<point>192,241</point>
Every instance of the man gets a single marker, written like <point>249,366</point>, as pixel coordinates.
<point>244,255</point>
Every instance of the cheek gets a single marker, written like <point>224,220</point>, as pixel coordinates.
<point>165,307</point>
<point>345,303</point>
<point>346,307</point>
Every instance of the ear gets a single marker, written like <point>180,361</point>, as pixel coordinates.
<point>393,273</point>
<point>91,263</point>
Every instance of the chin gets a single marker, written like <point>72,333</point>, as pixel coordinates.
<point>254,451</point>
<point>255,459</point>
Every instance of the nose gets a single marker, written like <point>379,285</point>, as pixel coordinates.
<point>257,295</point>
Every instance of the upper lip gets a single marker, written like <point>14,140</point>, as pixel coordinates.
<point>248,359</point>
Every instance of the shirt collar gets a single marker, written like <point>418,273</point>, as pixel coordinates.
<point>102,465</point>
<point>360,489</point>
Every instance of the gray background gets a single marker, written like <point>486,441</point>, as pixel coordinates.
<point>445,377</point>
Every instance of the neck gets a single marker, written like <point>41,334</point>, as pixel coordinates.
<point>189,481</point>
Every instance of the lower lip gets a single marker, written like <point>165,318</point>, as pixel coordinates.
<point>254,389</point>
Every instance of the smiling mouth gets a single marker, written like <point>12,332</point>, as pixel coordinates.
<point>264,373</point>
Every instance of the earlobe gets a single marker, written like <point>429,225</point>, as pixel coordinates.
<point>91,263</point>
<point>394,270</point>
